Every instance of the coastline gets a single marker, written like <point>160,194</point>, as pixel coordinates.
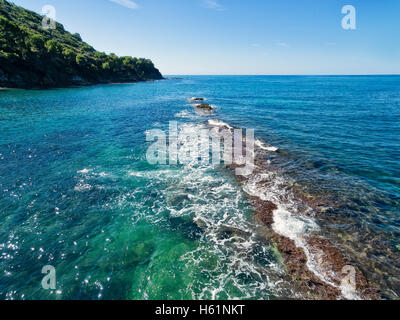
<point>83,85</point>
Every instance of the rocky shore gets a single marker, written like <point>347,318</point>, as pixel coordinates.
<point>316,268</point>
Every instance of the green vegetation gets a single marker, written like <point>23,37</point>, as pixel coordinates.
<point>32,57</point>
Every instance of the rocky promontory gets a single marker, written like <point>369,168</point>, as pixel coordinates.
<point>35,57</point>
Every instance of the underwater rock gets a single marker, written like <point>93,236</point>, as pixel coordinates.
<point>186,226</point>
<point>235,232</point>
<point>178,200</point>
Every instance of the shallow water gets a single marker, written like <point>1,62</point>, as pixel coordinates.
<point>77,192</point>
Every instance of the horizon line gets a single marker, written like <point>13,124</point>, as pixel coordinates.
<point>290,75</point>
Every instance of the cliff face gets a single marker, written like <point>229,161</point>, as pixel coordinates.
<point>33,57</point>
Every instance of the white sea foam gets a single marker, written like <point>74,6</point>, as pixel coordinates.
<point>216,206</point>
<point>132,173</point>
<point>218,123</point>
<point>85,171</point>
<point>82,186</point>
<point>292,227</point>
<point>185,115</point>
<point>291,222</point>
<point>195,191</point>
<point>262,146</point>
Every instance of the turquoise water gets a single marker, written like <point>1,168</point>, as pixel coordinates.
<point>77,191</point>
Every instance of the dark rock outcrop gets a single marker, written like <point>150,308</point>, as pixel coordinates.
<point>204,107</point>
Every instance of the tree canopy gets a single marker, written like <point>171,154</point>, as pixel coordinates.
<point>31,56</point>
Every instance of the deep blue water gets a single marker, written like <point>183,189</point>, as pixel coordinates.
<point>77,192</point>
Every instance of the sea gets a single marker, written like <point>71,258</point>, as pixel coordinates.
<point>78,194</point>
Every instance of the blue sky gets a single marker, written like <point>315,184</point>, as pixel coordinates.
<point>237,36</point>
